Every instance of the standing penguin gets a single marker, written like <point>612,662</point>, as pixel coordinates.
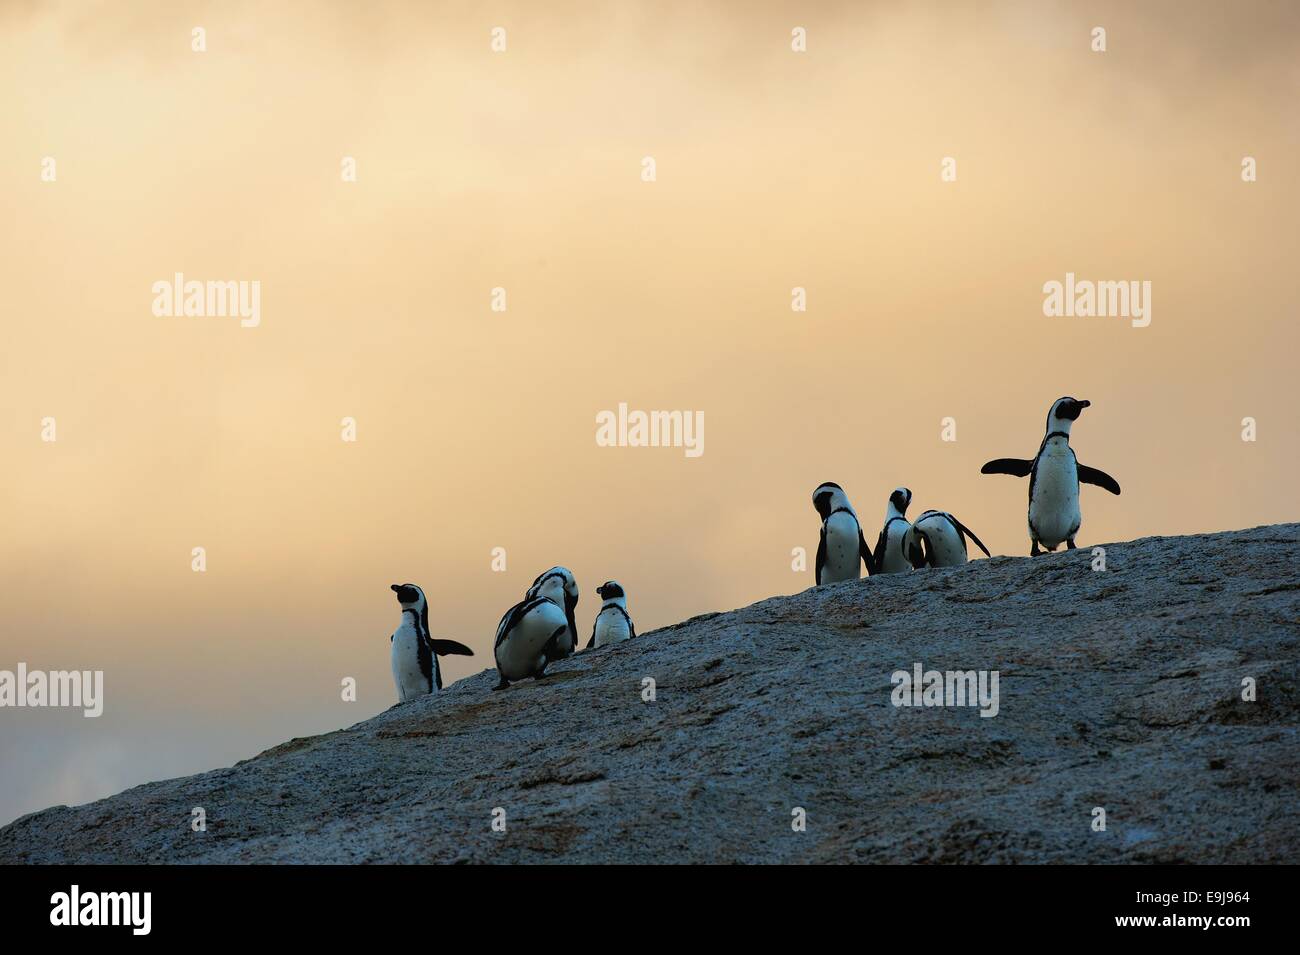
<point>560,585</point>
<point>842,545</point>
<point>524,635</point>
<point>896,546</point>
<point>1054,477</point>
<point>415,653</point>
<point>942,540</point>
<point>612,625</point>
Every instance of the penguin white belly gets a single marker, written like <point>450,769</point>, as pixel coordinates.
<point>946,547</point>
<point>406,665</point>
<point>843,556</point>
<point>520,654</point>
<point>894,560</point>
<point>1054,505</point>
<point>611,627</point>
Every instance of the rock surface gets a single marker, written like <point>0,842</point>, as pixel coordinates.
<point>1120,690</point>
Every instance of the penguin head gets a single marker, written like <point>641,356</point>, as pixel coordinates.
<point>558,583</point>
<point>828,497</point>
<point>1065,411</point>
<point>409,596</point>
<point>898,502</point>
<point>612,590</point>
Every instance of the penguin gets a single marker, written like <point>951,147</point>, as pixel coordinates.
<point>941,541</point>
<point>612,625</point>
<point>842,545</point>
<point>560,585</point>
<point>896,547</point>
<point>1054,477</point>
<point>525,633</point>
<point>414,651</point>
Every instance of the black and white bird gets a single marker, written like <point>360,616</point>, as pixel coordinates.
<point>1054,477</point>
<point>560,585</point>
<point>842,549</point>
<point>613,625</point>
<point>940,540</point>
<point>896,545</point>
<point>526,637</point>
<point>414,651</point>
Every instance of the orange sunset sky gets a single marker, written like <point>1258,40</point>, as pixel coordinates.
<point>476,429</point>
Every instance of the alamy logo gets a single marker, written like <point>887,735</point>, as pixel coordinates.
<point>1085,299</point>
<point>651,429</point>
<point>103,908</point>
<point>80,688</point>
<point>950,688</point>
<point>212,299</point>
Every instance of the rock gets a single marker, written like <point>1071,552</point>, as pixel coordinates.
<point>1119,689</point>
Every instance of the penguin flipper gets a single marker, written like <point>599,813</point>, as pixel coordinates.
<point>971,534</point>
<point>916,552</point>
<point>821,557</point>
<point>551,651</point>
<point>879,556</point>
<point>445,647</point>
<point>865,553</point>
<point>1089,475</point>
<point>592,642</point>
<point>1013,466</point>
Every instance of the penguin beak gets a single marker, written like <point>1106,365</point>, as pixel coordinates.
<point>1085,404</point>
<point>395,587</point>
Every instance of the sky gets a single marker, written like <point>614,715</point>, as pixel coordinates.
<point>524,169</point>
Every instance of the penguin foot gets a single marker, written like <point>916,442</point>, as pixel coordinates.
<point>502,685</point>
<point>1069,545</point>
<point>1034,551</point>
